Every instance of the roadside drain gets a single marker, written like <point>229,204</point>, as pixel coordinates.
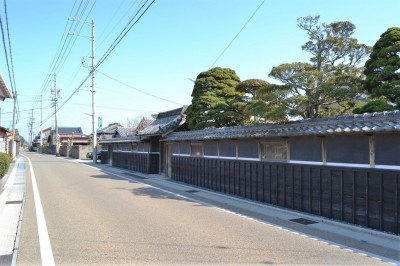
<point>14,202</point>
<point>303,221</point>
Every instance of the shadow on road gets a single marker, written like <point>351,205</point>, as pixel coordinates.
<point>148,190</point>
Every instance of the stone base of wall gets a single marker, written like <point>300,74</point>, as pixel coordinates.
<point>47,150</point>
<point>77,151</point>
<point>65,151</point>
<point>80,151</point>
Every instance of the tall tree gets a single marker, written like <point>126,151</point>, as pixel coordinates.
<point>259,98</point>
<point>251,86</point>
<point>382,69</point>
<point>215,102</point>
<point>333,77</point>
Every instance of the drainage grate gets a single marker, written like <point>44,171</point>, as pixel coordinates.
<point>303,221</point>
<point>14,202</point>
<point>191,191</point>
<point>135,176</point>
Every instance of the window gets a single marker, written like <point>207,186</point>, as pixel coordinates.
<point>196,149</point>
<point>134,147</point>
<point>127,147</point>
<point>274,151</point>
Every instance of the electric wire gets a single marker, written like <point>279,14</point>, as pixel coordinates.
<point>234,38</point>
<point>6,54</point>
<point>121,36</point>
<point>119,21</point>
<point>76,35</point>
<point>152,95</point>
<point>10,49</point>
<point>58,52</point>
<point>123,33</point>
<point>63,53</point>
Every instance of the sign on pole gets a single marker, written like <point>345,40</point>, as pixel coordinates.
<point>100,121</point>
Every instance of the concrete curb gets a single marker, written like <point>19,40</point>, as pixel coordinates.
<point>11,207</point>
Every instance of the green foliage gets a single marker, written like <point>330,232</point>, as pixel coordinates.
<point>374,106</point>
<point>267,104</point>
<point>5,161</point>
<point>332,79</point>
<point>382,69</point>
<point>251,86</point>
<point>216,102</point>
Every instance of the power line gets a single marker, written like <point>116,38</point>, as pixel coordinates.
<point>58,51</point>
<point>152,95</point>
<point>6,55</point>
<point>63,53</point>
<point>123,33</point>
<point>10,50</point>
<point>119,21</point>
<point>234,38</point>
<point>113,108</point>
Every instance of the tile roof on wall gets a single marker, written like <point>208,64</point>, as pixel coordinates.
<point>110,129</point>
<point>125,132</point>
<point>120,140</point>
<point>69,130</point>
<point>164,123</point>
<point>364,123</point>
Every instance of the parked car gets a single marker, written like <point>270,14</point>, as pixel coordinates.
<point>89,155</point>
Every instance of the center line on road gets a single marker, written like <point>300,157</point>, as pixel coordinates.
<point>45,247</point>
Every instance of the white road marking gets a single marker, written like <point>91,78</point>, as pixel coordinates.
<point>46,252</point>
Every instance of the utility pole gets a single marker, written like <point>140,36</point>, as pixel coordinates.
<point>93,72</point>
<point>41,121</point>
<point>13,147</point>
<point>55,101</point>
<point>94,131</point>
<point>31,126</point>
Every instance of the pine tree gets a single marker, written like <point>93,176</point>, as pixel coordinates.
<point>215,102</point>
<point>382,69</point>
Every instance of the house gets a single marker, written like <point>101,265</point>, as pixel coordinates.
<point>141,151</point>
<point>108,131</point>
<point>125,132</point>
<point>7,141</point>
<point>5,137</point>
<point>4,92</point>
<point>68,136</point>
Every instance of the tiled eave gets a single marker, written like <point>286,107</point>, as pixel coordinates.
<point>357,124</point>
<point>121,140</point>
<point>4,92</point>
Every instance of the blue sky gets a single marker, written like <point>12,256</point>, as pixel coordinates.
<point>172,43</point>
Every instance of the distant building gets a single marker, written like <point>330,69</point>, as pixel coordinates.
<point>108,131</point>
<point>5,135</point>
<point>67,136</point>
<point>6,138</point>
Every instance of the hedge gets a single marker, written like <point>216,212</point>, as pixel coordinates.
<point>5,161</point>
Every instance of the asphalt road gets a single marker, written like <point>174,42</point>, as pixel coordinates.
<point>96,218</point>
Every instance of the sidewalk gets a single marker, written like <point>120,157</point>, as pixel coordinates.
<point>11,207</point>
